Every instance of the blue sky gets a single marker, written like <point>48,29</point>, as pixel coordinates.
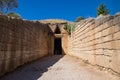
<point>63,9</point>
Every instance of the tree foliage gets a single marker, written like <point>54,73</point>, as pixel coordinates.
<point>12,14</point>
<point>79,19</point>
<point>8,5</point>
<point>102,10</point>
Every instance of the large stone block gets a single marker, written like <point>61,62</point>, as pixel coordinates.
<point>116,20</point>
<point>2,55</point>
<point>115,61</point>
<point>107,38</point>
<point>116,35</point>
<point>98,35</point>
<point>102,19</point>
<point>115,44</point>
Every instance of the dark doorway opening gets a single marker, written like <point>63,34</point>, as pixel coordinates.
<point>57,31</point>
<point>57,47</point>
<point>57,43</point>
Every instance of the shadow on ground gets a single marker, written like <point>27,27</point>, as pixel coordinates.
<point>34,70</point>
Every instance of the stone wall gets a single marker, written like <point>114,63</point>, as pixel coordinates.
<point>64,39</point>
<point>22,42</point>
<point>98,41</point>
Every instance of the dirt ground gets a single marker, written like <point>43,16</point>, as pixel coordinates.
<point>58,67</point>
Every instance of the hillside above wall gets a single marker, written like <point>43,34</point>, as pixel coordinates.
<point>54,21</point>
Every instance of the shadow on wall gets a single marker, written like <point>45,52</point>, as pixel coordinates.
<point>33,71</point>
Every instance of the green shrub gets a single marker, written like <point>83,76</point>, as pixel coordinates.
<point>78,19</point>
<point>69,27</point>
<point>12,14</point>
<point>102,10</point>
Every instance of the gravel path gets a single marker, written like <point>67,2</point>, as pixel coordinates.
<point>58,68</point>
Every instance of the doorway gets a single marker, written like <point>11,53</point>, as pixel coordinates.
<point>57,47</point>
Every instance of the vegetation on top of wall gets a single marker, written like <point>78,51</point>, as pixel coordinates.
<point>102,10</point>
<point>78,19</point>
<point>12,14</point>
<point>70,27</point>
<point>54,21</point>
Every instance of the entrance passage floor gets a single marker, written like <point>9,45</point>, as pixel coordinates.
<point>58,67</point>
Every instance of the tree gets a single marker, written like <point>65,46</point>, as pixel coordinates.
<point>12,14</point>
<point>8,5</point>
<point>1,6</point>
<point>79,19</point>
<point>102,10</point>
